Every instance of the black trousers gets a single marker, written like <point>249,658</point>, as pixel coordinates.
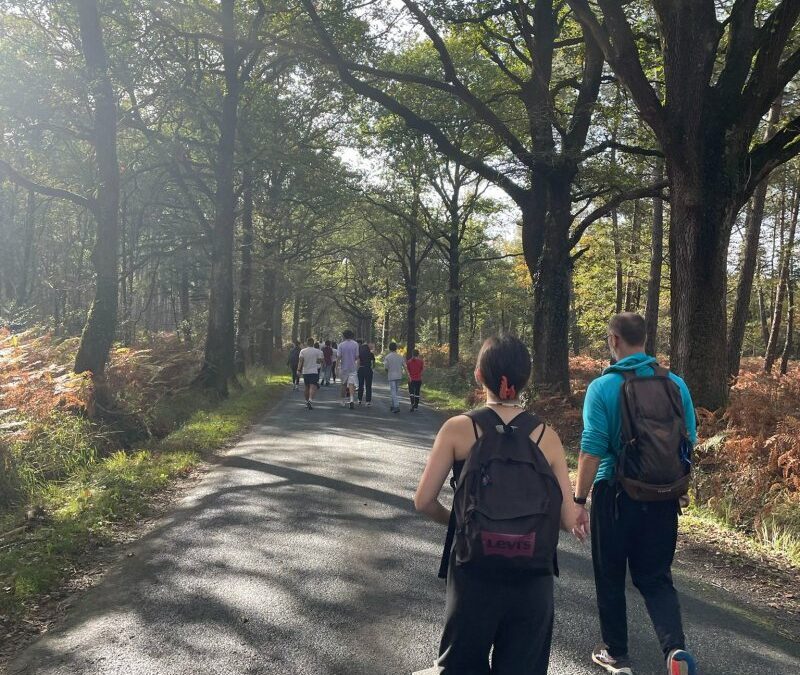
<point>365,378</point>
<point>413,391</point>
<point>513,616</point>
<point>295,375</point>
<point>640,536</point>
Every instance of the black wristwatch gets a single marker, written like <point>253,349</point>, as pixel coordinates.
<point>579,500</point>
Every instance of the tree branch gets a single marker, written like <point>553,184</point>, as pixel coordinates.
<point>414,121</point>
<point>617,41</point>
<point>622,147</point>
<point>29,184</point>
<point>654,190</point>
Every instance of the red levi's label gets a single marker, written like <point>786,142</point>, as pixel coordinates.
<point>508,545</point>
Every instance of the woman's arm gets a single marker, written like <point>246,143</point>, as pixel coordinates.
<point>440,462</point>
<point>570,511</point>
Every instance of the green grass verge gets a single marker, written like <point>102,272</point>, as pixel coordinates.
<point>770,539</point>
<point>446,390</point>
<point>85,510</point>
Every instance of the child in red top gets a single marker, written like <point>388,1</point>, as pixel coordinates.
<point>414,366</point>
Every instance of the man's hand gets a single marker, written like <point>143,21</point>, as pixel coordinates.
<point>581,529</point>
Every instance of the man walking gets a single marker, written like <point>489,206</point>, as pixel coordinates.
<point>395,365</point>
<point>292,361</point>
<point>348,364</point>
<point>310,358</point>
<point>637,532</point>
<point>366,361</point>
<point>327,363</point>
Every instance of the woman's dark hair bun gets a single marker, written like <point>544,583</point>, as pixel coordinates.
<point>505,365</point>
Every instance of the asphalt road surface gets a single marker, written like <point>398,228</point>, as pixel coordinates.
<point>300,553</point>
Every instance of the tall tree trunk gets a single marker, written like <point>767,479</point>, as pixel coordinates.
<point>783,281</point>
<point>454,296</point>
<point>762,313</point>
<point>698,241</point>
<point>246,275</point>
<point>27,270</point>
<point>412,293</point>
<point>218,364</point>
<point>618,285</point>
<point>788,345</point>
<point>296,318</point>
<point>183,294</point>
<point>101,324</point>
<point>654,279</point>
<point>631,281</point>
<point>551,300</point>
<point>277,315</point>
<point>266,338</point>
<point>574,328</point>
<point>744,289</point>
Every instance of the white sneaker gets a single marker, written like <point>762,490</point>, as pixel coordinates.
<point>619,665</point>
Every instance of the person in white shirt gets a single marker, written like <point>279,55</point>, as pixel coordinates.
<point>395,366</point>
<point>310,359</point>
<point>348,367</point>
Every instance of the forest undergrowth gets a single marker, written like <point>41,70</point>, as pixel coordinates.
<point>68,484</point>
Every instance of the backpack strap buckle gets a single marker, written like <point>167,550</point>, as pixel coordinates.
<point>505,429</point>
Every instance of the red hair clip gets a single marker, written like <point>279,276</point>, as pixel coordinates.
<point>507,392</point>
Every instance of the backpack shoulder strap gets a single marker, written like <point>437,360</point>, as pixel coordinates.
<point>474,424</point>
<point>659,370</point>
<point>484,419</point>
<point>525,424</point>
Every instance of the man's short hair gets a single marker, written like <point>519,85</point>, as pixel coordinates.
<point>310,342</point>
<point>392,346</point>
<point>348,334</point>
<point>630,327</point>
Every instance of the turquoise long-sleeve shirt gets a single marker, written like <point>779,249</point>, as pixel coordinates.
<point>602,420</point>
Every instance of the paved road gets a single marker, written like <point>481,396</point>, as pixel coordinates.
<point>300,554</point>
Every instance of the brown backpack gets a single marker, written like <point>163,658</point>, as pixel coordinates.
<point>655,459</point>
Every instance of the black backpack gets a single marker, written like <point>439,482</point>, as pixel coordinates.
<point>507,502</point>
<point>655,458</point>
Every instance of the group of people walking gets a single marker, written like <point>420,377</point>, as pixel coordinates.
<point>318,363</point>
<point>513,491</point>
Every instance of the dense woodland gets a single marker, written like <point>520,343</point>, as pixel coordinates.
<point>246,173</point>
<point>243,173</point>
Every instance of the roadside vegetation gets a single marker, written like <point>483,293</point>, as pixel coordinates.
<point>71,484</point>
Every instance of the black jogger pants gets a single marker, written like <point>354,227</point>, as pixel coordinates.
<point>640,536</point>
<point>513,616</point>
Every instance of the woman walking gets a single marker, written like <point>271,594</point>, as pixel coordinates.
<point>512,492</point>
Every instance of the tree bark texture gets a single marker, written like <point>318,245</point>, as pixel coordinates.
<point>454,296</point>
<point>551,299</point>
<point>788,345</point>
<point>698,244</point>
<point>218,364</point>
<point>98,333</point>
<point>243,332</point>
<point>654,278</point>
